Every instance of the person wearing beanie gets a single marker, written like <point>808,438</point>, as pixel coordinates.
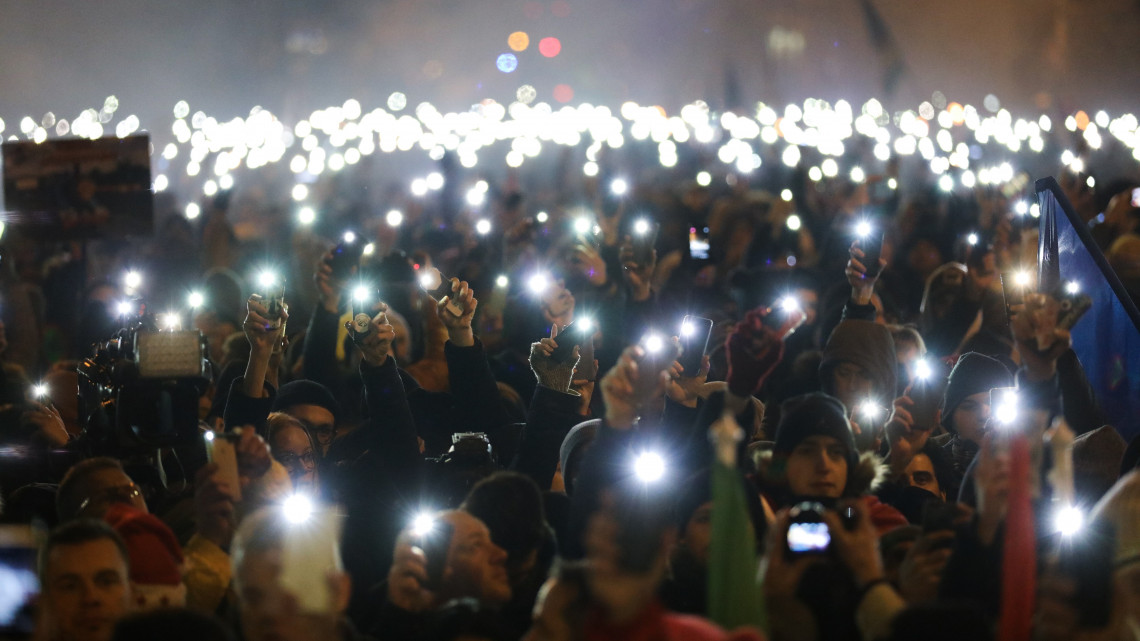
<point>966,408</point>
<point>156,559</point>
<point>859,363</point>
<point>312,404</point>
<point>814,458</point>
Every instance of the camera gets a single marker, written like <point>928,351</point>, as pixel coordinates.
<point>140,389</point>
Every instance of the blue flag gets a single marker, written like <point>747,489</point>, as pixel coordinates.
<point>1107,338</point>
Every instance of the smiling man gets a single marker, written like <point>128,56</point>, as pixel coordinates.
<point>86,585</point>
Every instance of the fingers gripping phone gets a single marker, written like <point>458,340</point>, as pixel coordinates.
<point>657,355</point>
<point>644,239</point>
<point>807,531</point>
<point>435,283</point>
<point>221,448</point>
<point>571,336</point>
<point>695,333</point>
<point>346,256</point>
<point>274,298</point>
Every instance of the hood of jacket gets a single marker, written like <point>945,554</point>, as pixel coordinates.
<point>868,345</point>
<point>868,474</point>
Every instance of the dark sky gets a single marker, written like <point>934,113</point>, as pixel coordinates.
<point>225,56</point>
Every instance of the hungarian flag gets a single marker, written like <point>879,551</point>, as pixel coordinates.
<point>1107,338</point>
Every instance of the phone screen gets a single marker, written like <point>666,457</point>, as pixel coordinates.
<point>1136,197</point>
<point>872,247</point>
<point>643,242</point>
<point>695,332</point>
<point>808,537</point>
<point>699,243</point>
<point>19,583</point>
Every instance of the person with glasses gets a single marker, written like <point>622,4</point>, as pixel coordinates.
<point>293,446</point>
<point>314,406</point>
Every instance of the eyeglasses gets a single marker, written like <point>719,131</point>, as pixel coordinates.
<point>128,494</point>
<point>296,462</point>
<point>324,434</point>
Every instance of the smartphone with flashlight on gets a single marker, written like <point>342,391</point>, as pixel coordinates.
<point>346,256</point>
<point>1136,197</point>
<point>872,246</point>
<point>807,531</point>
<point>310,552</point>
<point>436,284</point>
<point>1086,558</point>
<point>785,317</point>
<point>658,353</point>
<point>571,336</point>
<point>695,333</point>
<point>273,296</point>
<point>926,392</point>
<point>435,543</point>
<point>644,239</point>
<point>221,449</point>
<point>1013,286</point>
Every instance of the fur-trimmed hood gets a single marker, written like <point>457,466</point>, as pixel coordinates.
<point>867,476</point>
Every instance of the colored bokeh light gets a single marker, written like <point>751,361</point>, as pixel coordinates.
<point>507,62</point>
<point>518,41</point>
<point>560,8</point>
<point>563,93</point>
<point>549,47</point>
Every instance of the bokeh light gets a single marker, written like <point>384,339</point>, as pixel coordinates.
<point>507,62</point>
<point>518,41</point>
<point>563,93</point>
<point>550,47</point>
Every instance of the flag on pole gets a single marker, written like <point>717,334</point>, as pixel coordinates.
<point>1107,338</point>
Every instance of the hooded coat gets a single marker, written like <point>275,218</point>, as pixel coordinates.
<point>868,345</point>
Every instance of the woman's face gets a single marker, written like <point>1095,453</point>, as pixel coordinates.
<point>293,449</point>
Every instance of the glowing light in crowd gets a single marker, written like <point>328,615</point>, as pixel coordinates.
<point>972,238</point>
<point>583,225</point>
<point>794,223</point>
<point>394,217</point>
<point>171,320</point>
<point>297,508</point>
<point>423,524</point>
<point>193,211</point>
<point>619,187</point>
<point>306,215</point>
<point>789,304</point>
<point>434,181</point>
<point>870,409</point>
<point>1005,412</point>
<point>704,178</point>
<point>786,195</point>
<point>649,467</point>
<point>585,324</point>
<point>1021,278</point>
<point>132,279</point>
<point>266,279</point>
<point>502,281</point>
<point>653,343</point>
<point>863,229</point>
<point>40,390</point>
<point>542,217</point>
<point>124,308</point>
<point>641,226</point>
<point>1069,520</point>
<point>538,283</point>
<point>483,227</point>
<point>368,249</point>
<point>361,294</point>
<point>419,187</point>
<point>195,300</point>
<point>1072,287</point>
<point>349,237</point>
<point>922,369</point>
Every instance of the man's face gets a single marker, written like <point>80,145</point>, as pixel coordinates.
<point>698,533</point>
<point>319,421</point>
<point>851,383</point>
<point>476,567</point>
<point>817,467</point>
<point>87,589</point>
<point>269,613</point>
<point>920,473</point>
<point>969,418</point>
<point>107,487</point>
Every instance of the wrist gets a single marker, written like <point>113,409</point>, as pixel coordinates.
<point>461,337</point>
<point>859,296</point>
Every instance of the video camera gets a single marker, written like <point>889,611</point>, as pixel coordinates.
<point>139,391</point>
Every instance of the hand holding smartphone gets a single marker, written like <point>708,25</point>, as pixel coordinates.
<point>694,338</point>
<point>435,283</point>
<point>221,449</point>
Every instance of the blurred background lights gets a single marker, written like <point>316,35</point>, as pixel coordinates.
<point>193,211</point>
<point>419,187</point>
<point>394,217</point>
<point>434,181</point>
<point>306,215</point>
<point>132,279</point>
<point>542,217</point>
<point>549,47</point>
<point>518,41</point>
<point>786,195</point>
<point>507,62</point>
<point>300,192</point>
<point>483,227</point>
<point>563,93</point>
<point>704,178</point>
<point>794,223</point>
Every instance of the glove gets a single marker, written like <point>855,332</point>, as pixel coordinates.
<point>550,373</point>
<point>753,351</point>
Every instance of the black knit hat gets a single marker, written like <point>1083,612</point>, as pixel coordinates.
<point>305,392</point>
<point>815,414</point>
<point>974,373</point>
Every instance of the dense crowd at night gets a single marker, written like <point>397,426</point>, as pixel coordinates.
<point>662,381</point>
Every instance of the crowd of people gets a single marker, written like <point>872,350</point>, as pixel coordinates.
<point>771,408</point>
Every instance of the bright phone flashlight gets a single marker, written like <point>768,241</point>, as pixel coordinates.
<point>972,239</point>
<point>125,308</point>
<point>502,281</point>
<point>1069,520</point>
<point>297,508</point>
<point>266,279</point>
<point>789,304</point>
<point>619,187</point>
<point>1005,411</point>
<point>863,229</point>
<point>360,294</point>
<point>171,321</point>
<point>649,467</point>
<point>870,409</point>
<point>196,300</point>
<point>423,524</point>
<point>349,237</point>
<point>641,227</point>
<point>538,283</point>
<point>653,343</point>
<point>39,390</point>
<point>394,217</point>
<point>583,225</point>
